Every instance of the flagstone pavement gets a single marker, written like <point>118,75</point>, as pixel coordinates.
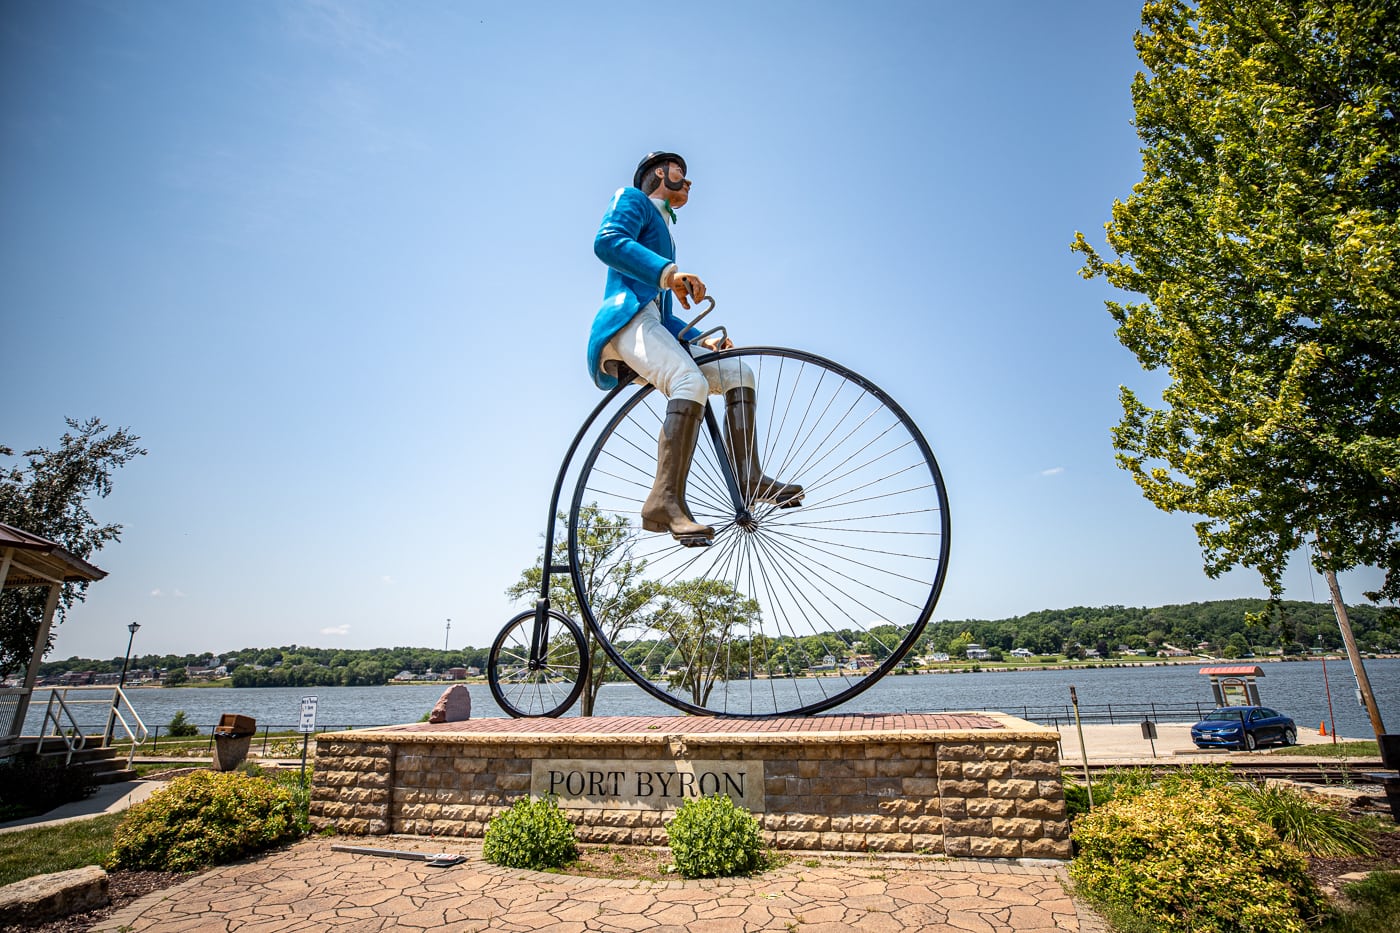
<point>310,887</point>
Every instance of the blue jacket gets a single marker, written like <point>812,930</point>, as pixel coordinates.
<point>636,246</point>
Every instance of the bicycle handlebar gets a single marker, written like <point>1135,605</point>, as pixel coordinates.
<point>702,314</point>
<point>713,330</point>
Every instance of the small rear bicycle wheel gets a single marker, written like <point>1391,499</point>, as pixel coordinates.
<point>790,610</point>
<point>549,685</point>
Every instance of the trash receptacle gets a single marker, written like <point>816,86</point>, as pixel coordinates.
<point>232,738</point>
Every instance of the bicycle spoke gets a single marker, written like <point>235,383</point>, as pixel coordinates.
<point>788,610</point>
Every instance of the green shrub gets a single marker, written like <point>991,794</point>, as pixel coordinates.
<point>180,727</point>
<point>31,785</point>
<point>1125,783</point>
<point>712,838</point>
<point>206,819</point>
<point>1315,828</point>
<point>1077,799</point>
<point>1200,861</point>
<point>531,834</point>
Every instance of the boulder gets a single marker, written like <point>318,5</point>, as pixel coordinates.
<point>455,705</point>
<point>47,897</point>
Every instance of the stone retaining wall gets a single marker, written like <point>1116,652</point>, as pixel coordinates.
<point>964,793</point>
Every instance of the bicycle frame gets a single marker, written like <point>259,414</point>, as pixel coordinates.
<point>540,636</point>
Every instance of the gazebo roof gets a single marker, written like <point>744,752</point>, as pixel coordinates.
<point>40,562</point>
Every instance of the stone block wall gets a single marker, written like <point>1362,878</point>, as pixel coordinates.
<point>965,794</point>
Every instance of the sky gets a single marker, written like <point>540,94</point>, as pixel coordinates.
<point>332,261</point>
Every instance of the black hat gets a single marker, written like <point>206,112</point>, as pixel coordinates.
<point>651,161</point>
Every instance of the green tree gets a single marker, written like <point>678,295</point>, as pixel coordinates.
<point>614,579</point>
<point>48,496</point>
<point>1265,238</point>
<point>957,648</point>
<point>700,618</point>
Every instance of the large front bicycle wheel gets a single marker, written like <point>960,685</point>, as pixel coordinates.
<point>543,683</point>
<point>790,610</point>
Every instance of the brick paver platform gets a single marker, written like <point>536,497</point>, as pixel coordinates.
<point>310,887</point>
<point>707,725</point>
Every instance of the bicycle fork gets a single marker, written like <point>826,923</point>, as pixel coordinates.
<point>539,637</point>
<point>742,516</point>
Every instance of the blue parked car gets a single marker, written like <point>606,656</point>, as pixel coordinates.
<point>1245,727</point>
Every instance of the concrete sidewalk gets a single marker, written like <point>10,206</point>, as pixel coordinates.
<point>310,887</point>
<point>109,798</point>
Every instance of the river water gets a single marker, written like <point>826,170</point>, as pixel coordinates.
<point>1295,688</point>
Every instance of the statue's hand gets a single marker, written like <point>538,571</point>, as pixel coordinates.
<point>686,287</point>
<point>716,342</point>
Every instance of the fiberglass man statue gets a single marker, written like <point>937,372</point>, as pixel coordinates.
<point>636,328</point>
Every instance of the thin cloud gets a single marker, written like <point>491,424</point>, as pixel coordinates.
<point>1053,471</point>
<point>343,25</point>
<point>336,630</point>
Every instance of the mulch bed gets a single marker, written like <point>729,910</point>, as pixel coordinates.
<point>1327,871</point>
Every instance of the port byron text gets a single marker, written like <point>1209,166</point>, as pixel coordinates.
<point>646,785</point>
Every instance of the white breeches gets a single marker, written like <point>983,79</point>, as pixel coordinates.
<point>657,357</point>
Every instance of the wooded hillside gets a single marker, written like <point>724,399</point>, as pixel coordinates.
<point>1295,627</point>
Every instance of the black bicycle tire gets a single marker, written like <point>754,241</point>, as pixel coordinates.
<point>910,637</point>
<point>493,667</point>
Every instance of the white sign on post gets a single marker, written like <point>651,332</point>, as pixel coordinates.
<point>308,715</point>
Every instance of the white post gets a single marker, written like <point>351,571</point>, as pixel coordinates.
<point>41,642</point>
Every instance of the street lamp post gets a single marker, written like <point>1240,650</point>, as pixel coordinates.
<point>447,635</point>
<point>121,682</point>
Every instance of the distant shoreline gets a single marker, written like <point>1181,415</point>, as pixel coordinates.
<point>998,667</point>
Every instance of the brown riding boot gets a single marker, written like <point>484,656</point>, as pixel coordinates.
<point>665,508</point>
<point>739,422</point>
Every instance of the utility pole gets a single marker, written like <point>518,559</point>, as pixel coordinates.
<point>447,636</point>
<point>1363,683</point>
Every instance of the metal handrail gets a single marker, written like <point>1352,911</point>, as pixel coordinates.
<point>118,707</point>
<point>75,740</point>
<point>135,736</point>
<point>1112,713</point>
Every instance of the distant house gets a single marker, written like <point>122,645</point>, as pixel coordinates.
<point>1021,653</point>
<point>456,673</point>
<point>405,675</point>
<point>938,657</point>
<point>976,652</point>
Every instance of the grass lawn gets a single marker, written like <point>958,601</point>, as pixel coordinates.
<point>1329,750</point>
<point>44,849</point>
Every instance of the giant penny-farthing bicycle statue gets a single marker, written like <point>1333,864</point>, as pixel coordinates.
<point>791,610</point>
